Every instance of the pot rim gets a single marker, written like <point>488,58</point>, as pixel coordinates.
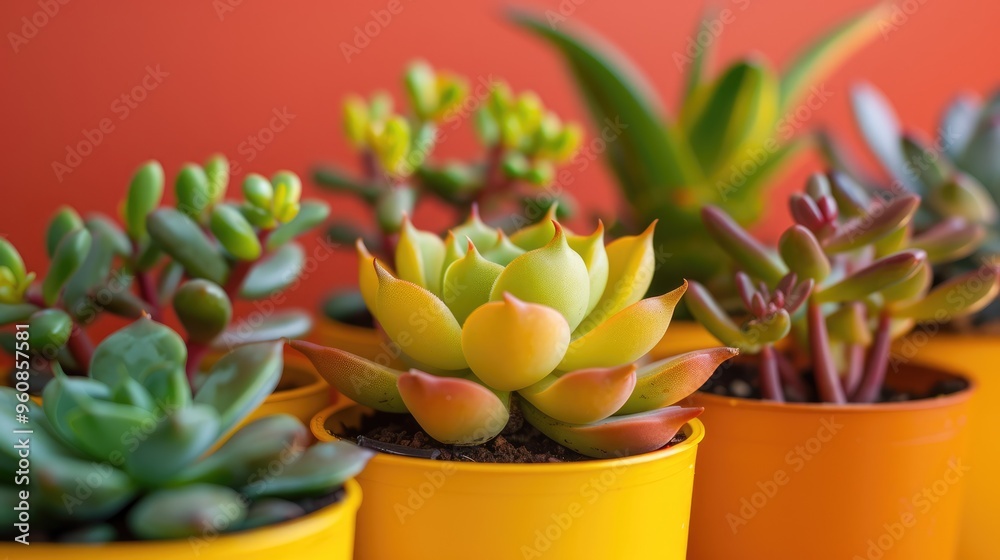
<point>694,429</point>
<point>853,408</point>
<point>274,534</point>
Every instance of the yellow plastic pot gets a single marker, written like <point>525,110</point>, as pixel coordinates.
<point>833,482</point>
<point>633,508</point>
<point>360,341</point>
<point>327,533</point>
<point>681,337</point>
<point>974,356</point>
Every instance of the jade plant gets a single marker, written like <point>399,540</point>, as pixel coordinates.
<point>735,131</point>
<point>197,256</point>
<point>522,141</point>
<point>127,453</point>
<point>956,171</point>
<point>820,312</point>
<point>546,320</point>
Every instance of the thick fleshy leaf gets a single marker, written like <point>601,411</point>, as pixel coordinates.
<point>106,429</point>
<point>176,441</point>
<point>591,249</point>
<point>167,384</point>
<point>875,225</point>
<point>318,470</point>
<point>965,197</point>
<point>64,221</point>
<point>615,437</point>
<point>912,287</point>
<point>667,381</point>
<point>468,283</point>
<point>419,257</point>
<point>803,254</point>
<point>631,264</point>
<point>363,381</point>
<point>337,180</point>
<point>503,251</point>
<point>536,235</point>
<point>188,511</point>
<point>582,396</point>
<point>849,324</point>
<point>510,344</point>
<point>626,336</point>
<point>49,330</point>
<point>62,396</point>
<point>367,278</point>
<point>928,165</point>
<point>419,322</point>
<point>275,272</point>
<point>875,277</point>
<point>133,349</point>
<point>978,157</point>
<point>290,323</point>
<point>454,410</point>
<point>852,199</point>
<point>482,235</point>
<point>192,190</point>
<point>235,233</point>
<point>92,289</point>
<point>949,240</point>
<point>877,121</point>
<point>69,255</point>
<point>203,308</point>
<point>749,253</point>
<point>707,311</point>
<point>311,214</point>
<point>14,312</point>
<point>144,195</point>
<point>181,238</point>
<point>958,123</point>
<point>239,382</point>
<point>554,276</point>
<point>50,480</point>
<point>959,296</point>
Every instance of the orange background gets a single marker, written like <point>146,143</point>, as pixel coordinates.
<point>232,62</point>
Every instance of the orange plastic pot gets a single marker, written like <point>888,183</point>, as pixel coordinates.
<point>327,533</point>
<point>633,508</point>
<point>681,337</point>
<point>832,482</point>
<point>974,356</point>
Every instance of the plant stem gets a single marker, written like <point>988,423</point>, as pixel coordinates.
<point>770,381</point>
<point>878,362</point>
<point>827,381</point>
<point>494,181</point>
<point>790,378</point>
<point>855,368</point>
<point>196,352</point>
<point>80,347</point>
<point>148,293</point>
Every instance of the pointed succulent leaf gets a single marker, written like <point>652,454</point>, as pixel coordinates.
<point>878,223</point>
<point>177,441</point>
<point>803,253</point>
<point>616,436</point>
<point>69,255</point>
<point>315,471</point>
<point>144,195</point>
<point>482,235</point>
<point>468,282</point>
<point>877,276</point>
<point>503,251</point>
<point>852,200</point>
<point>361,380</point>
<point>958,123</point>
<point>439,340</point>
<point>133,349</point>
<point>63,222</point>
<point>311,214</point>
<point>453,410</point>
<point>181,238</point>
<point>538,234</point>
<point>631,264</point>
<point>553,275</point>
<point>290,323</point>
<point>957,297</point>
<point>583,396</point>
<point>978,157</point>
<point>965,197</point>
<point>749,253</point>
<point>235,233</point>
<point>626,336</point>
<point>131,392</point>
<point>591,249</point>
<point>949,240</point>
<point>707,311</point>
<point>419,257</point>
<point>879,126</point>
<point>203,308</point>
<point>367,278</point>
<point>667,381</point>
<point>928,166</point>
<point>239,382</point>
<point>187,511</point>
<point>510,344</point>
<point>274,272</point>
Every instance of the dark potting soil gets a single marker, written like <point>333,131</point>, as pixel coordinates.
<point>519,442</point>
<point>740,379</point>
<point>123,534</point>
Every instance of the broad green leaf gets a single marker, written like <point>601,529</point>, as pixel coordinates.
<point>311,214</point>
<point>68,257</point>
<point>203,308</point>
<point>290,323</point>
<point>135,348</point>
<point>235,233</point>
<point>958,123</point>
<point>337,180</point>
<point>64,221</point>
<point>144,195</point>
<point>176,441</point>
<point>92,284</point>
<point>15,312</point>
<point>880,128</point>
<point>192,511</point>
<point>239,382</point>
<point>317,470</point>
<point>275,272</point>
<point>181,238</point>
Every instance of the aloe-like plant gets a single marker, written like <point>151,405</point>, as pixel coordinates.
<point>735,131</point>
<point>847,278</point>
<point>955,171</point>
<point>128,453</point>
<point>522,140</point>
<point>197,256</point>
<point>549,320</point>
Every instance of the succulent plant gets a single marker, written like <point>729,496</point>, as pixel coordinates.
<point>197,256</point>
<point>955,171</point>
<point>128,452</point>
<point>522,139</point>
<point>846,279</point>
<point>552,321</point>
<point>736,130</point>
